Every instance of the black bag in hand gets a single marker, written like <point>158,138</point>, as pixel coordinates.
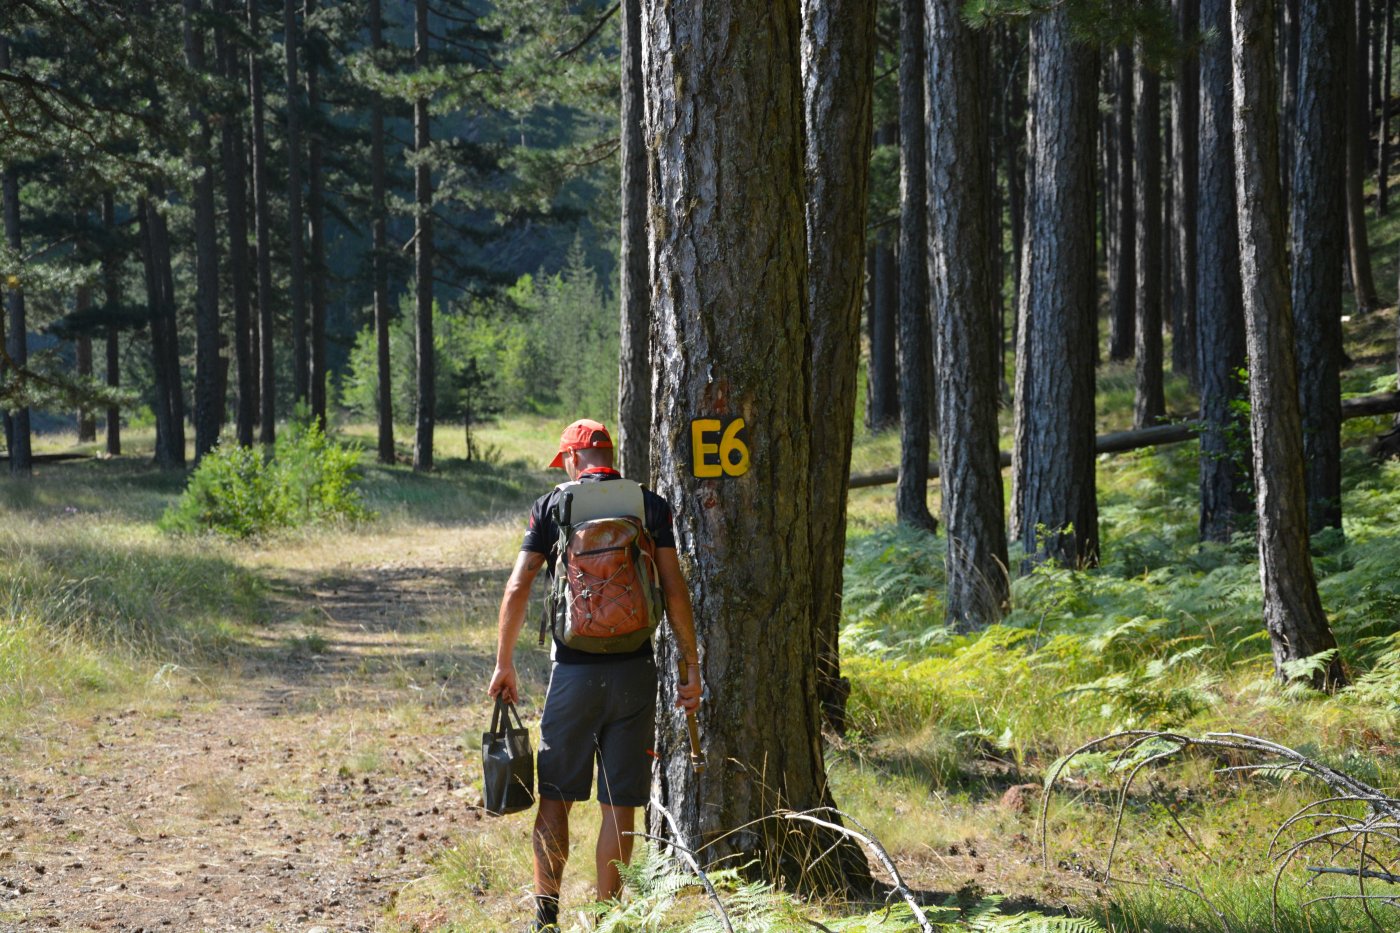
<point>507,763</point>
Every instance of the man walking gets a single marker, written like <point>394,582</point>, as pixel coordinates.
<point>599,707</point>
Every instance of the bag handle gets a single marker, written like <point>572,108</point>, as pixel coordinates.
<point>502,716</point>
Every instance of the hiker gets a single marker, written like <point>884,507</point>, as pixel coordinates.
<point>599,706</point>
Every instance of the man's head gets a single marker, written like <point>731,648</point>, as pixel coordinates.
<point>584,444</point>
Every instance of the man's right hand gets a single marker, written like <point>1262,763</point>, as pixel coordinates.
<point>504,683</point>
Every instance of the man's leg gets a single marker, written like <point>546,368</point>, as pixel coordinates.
<point>614,845</point>
<point>551,842</point>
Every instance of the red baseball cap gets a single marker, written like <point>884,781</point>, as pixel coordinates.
<point>580,435</point>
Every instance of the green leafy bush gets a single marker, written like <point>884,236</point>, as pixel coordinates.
<point>238,492</point>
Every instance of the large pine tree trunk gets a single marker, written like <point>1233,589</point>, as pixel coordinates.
<point>1219,312</point>
<point>87,419</point>
<point>724,109</point>
<point>1293,613</point>
<point>1054,483</point>
<point>262,225</point>
<point>881,319</point>
<point>966,308</point>
<point>112,295</point>
<point>1318,234</point>
<point>208,367</point>
<point>838,61</point>
<point>1358,128</point>
<point>169,403</point>
<point>296,274</point>
<point>316,231</point>
<point>379,222</point>
<point>234,156</point>
<point>423,256</point>
<point>1149,404</point>
<point>17,329</point>
<point>634,378</point>
<point>1383,127</point>
<point>915,350</point>
<point>1123,272</point>
<point>1186,107</point>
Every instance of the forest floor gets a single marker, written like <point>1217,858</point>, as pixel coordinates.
<point>325,778</point>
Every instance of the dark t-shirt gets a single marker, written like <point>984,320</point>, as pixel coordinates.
<point>544,531</point>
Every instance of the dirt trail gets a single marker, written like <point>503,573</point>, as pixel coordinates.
<point>299,792</point>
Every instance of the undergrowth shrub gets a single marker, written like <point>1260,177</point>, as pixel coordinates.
<point>236,491</point>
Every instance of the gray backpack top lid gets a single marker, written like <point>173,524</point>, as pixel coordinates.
<point>601,499</point>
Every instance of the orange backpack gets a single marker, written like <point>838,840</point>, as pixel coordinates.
<point>605,597</point>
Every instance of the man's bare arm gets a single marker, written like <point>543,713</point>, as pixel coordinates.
<point>682,620</point>
<point>514,604</point>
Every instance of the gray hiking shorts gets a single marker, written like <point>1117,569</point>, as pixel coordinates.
<point>602,712</point>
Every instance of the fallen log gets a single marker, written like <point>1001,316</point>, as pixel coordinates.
<point>1118,442</point>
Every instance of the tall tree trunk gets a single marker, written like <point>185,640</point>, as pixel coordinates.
<point>112,295</point>
<point>1186,108</point>
<point>17,332</point>
<point>838,62</point>
<point>1318,232</point>
<point>1219,309</point>
<point>1053,461</point>
<point>915,359</point>
<point>235,160</point>
<point>1293,613</point>
<point>423,254</point>
<point>882,317</point>
<point>961,177</point>
<point>208,367</point>
<point>1370,42</point>
<point>87,419</point>
<point>732,193</point>
<point>380,224</point>
<point>296,274</point>
<point>634,290</point>
<point>1383,127</point>
<point>1149,404</point>
<point>1123,280</point>
<point>1288,90</point>
<point>316,229</point>
<point>262,224</point>
<point>1015,163</point>
<point>1357,136</point>
<point>165,352</point>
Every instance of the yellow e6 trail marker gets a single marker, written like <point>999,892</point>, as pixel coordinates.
<point>717,449</point>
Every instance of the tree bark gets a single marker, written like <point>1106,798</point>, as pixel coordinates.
<point>838,61</point>
<point>1219,309</point>
<point>1293,613</point>
<point>1186,108</point>
<point>1318,232</point>
<point>423,255</point>
<point>316,230</point>
<point>1149,403</point>
<point>724,109</point>
<point>165,352</point>
<point>262,223</point>
<point>111,292</point>
<point>915,350</point>
<point>208,368</point>
<point>235,157</point>
<point>1357,136</point>
<point>1123,274</point>
<point>882,316</point>
<point>87,420</point>
<point>966,308</point>
<point>1054,512</point>
<point>379,222</point>
<point>1383,126</point>
<point>296,274</point>
<point>634,379</point>
<point>17,434</point>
